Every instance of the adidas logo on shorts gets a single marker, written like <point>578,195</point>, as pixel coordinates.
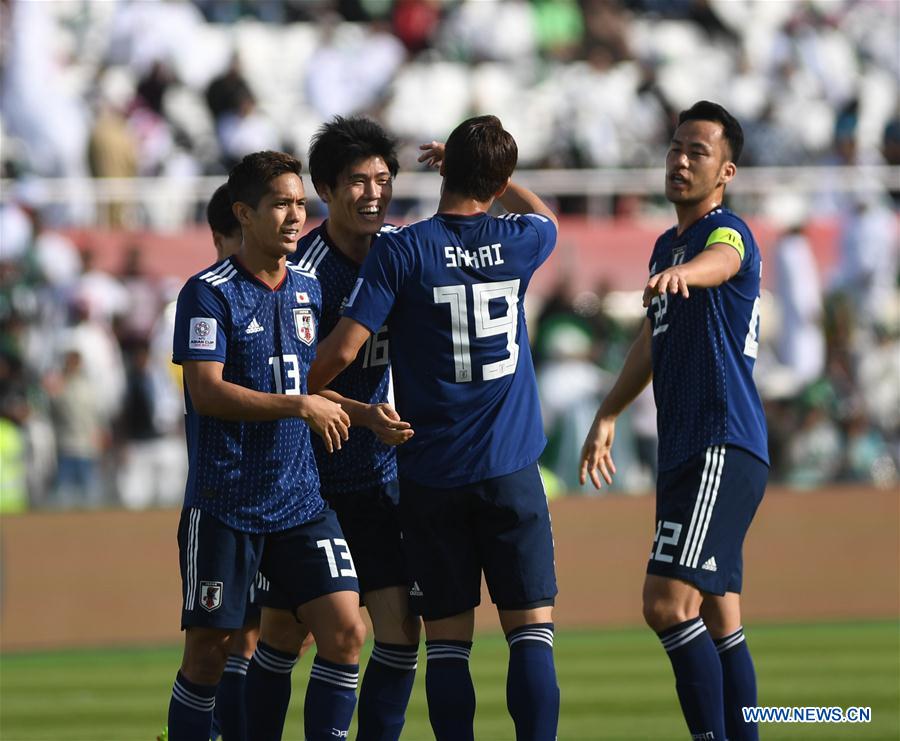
<point>414,590</point>
<point>709,564</point>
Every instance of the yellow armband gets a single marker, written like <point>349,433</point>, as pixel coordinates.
<point>729,236</point>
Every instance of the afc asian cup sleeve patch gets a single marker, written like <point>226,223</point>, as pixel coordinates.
<point>210,595</point>
<point>305,324</point>
<point>202,333</point>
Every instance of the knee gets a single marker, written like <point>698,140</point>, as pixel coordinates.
<point>204,657</point>
<point>350,637</point>
<point>660,613</point>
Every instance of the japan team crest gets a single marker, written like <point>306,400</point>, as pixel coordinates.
<point>210,595</point>
<point>305,324</point>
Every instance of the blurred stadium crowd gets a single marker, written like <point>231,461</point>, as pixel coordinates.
<point>90,407</point>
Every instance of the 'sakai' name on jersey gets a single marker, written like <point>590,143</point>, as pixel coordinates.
<point>451,289</point>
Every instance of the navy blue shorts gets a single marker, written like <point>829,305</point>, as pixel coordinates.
<point>370,519</point>
<point>500,526</point>
<point>704,508</point>
<point>219,565</point>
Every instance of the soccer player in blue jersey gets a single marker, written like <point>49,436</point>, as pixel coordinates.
<point>352,163</point>
<point>698,344</point>
<point>451,289</point>
<point>245,334</point>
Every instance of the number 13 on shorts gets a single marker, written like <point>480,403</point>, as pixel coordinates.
<point>338,550</point>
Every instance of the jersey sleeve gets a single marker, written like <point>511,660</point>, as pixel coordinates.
<point>729,230</point>
<point>379,282</point>
<point>546,232</point>
<point>201,317</point>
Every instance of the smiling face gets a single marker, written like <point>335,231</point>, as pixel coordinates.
<point>274,226</point>
<point>358,202</point>
<point>698,163</point>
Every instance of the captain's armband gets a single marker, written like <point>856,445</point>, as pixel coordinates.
<point>729,236</point>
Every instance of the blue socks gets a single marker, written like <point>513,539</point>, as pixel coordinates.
<point>449,689</point>
<point>230,714</point>
<point>386,687</point>
<point>330,700</point>
<point>532,694</point>
<point>739,684</point>
<point>190,710</point>
<point>698,678</point>
<point>268,692</point>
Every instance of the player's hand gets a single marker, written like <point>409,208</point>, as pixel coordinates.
<point>433,154</point>
<point>596,453</point>
<point>327,420</point>
<point>384,421</point>
<point>670,280</point>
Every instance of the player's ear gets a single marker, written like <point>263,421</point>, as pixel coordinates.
<point>729,170</point>
<point>324,192</point>
<point>241,212</point>
<point>499,193</point>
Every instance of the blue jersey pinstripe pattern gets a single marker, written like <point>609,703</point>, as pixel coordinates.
<point>704,350</point>
<point>363,461</point>
<point>256,477</point>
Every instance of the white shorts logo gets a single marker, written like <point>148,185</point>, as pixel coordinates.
<point>306,326</point>
<point>202,335</point>
<point>210,595</point>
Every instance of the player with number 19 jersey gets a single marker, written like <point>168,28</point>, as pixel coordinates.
<point>256,477</point>
<point>363,460</point>
<point>704,347</point>
<point>461,361</point>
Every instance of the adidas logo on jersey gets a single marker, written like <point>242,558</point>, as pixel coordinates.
<point>709,564</point>
<point>414,590</point>
<point>254,327</point>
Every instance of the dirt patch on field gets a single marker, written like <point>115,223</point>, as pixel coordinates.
<point>111,578</point>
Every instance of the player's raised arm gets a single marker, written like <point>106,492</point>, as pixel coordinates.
<point>714,266</point>
<point>213,396</point>
<point>336,352</point>
<point>515,199</point>
<point>520,200</point>
<point>596,453</point>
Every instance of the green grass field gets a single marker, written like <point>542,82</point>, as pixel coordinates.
<point>616,684</point>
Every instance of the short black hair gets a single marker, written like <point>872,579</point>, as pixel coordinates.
<point>249,180</point>
<point>343,141</point>
<point>479,157</point>
<point>219,214</point>
<point>704,110</point>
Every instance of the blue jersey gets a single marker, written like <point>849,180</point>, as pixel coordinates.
<point>704,347</point>
<point>363,461</point>
<point>451,289</point>
<point>256,477</point>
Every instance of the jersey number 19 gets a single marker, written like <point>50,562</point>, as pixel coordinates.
<point>485,325</point>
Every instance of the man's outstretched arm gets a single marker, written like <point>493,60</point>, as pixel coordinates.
<point>336,352</point>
